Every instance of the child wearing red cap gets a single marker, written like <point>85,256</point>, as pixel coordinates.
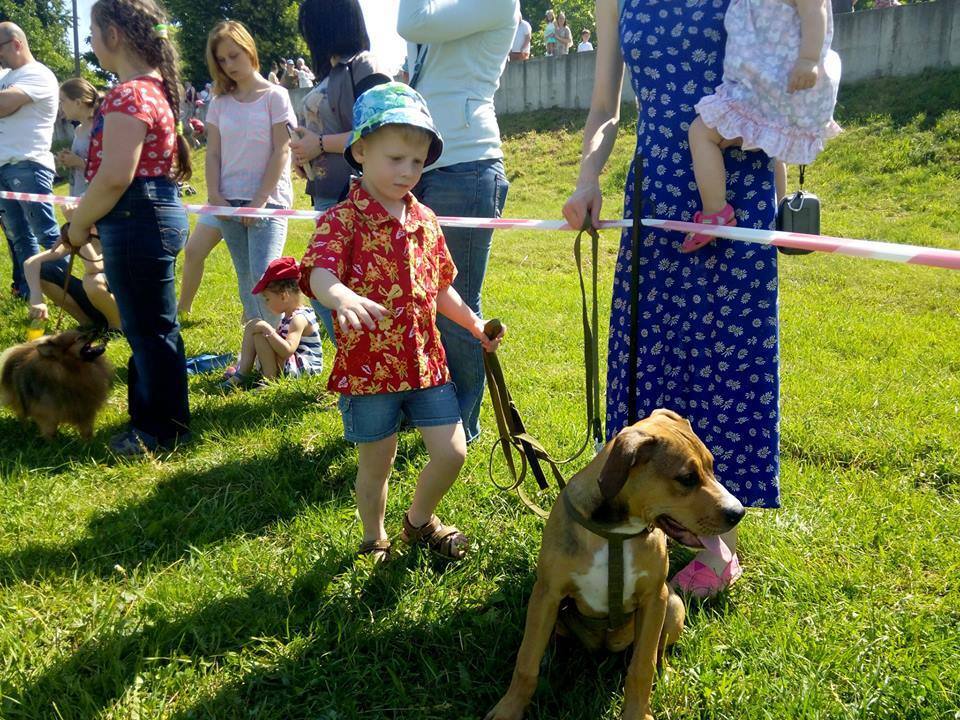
<point>380,262</point>
<point>293,348</point>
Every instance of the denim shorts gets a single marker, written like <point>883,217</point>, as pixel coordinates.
<point>368,418</point>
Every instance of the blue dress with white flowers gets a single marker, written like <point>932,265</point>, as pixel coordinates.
<point>708,336</point>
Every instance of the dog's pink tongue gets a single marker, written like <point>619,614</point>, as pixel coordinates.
<point>717,546</point>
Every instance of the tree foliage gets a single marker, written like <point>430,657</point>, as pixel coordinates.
<point>273,24</point>
<point>46,24</point>
<point>579,16</point>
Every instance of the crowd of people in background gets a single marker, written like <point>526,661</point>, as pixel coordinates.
<point>557,38</point>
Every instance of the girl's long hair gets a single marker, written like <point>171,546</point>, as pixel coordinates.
<point>228,30</point>
<point>332,28</point>
<point>144,25</point>
<point>83,90</point>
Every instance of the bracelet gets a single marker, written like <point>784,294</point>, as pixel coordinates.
<point>322,151</point>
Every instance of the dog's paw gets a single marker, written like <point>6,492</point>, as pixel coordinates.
<point>505,710</point>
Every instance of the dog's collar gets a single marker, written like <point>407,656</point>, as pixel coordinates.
<point>616,618</point>
<point>604,531</point>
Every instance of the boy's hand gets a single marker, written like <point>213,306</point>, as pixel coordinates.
<point>489,344</point>
<point>356,312</point>
<point>804,75</point>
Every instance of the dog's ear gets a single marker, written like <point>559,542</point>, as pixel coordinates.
<point>630,447</point>
<point>48,349</point>
<point>665,411</point>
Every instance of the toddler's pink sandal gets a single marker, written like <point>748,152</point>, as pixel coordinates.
<point>695,241</point>
<point>701,580</point>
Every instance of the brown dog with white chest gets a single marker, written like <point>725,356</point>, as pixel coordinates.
<point>654,479</point>
<point>56,380</point>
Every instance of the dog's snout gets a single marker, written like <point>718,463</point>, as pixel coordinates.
<point>733,515</point>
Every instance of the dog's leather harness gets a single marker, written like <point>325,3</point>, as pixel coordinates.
<point>616,618</point>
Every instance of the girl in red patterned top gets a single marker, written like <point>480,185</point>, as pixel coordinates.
<point>136,157</point>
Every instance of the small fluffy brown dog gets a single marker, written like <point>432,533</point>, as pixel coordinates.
<point>56,380</point>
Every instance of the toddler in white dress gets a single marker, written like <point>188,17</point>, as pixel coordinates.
<point>779,89</point>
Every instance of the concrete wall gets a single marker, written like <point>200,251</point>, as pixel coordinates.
<point>894,41</point>
<point>898,41</point>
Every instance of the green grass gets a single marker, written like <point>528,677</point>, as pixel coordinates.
<point>220,582</point>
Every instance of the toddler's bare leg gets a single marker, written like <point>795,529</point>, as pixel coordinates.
<point>708,166</point>
<point>374,462</point>
<point>780,178</point>
<point>269,365</point>
<point>248,352</point>
<point>447,446</point>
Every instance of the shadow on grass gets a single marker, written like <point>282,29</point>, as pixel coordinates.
<point>22,447</point>
<point>429,663</point>
<point>451,663</point>
<point>194,509</point>
<point>101,670</point>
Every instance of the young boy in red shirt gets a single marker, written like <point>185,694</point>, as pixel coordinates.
<point>379,261</point>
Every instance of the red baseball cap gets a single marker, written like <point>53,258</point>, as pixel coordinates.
<point>283,268</point>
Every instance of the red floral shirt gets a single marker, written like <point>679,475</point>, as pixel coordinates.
<point>144,99</point>
<point>402,266</point>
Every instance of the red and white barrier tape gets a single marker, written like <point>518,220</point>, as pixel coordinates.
<point>871,249</point>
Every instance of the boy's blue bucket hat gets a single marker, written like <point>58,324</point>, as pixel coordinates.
<point>391,103</point>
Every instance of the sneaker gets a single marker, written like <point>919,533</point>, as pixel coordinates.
<point>135,443</point>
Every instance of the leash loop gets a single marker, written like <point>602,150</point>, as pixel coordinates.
<point>510,427</point>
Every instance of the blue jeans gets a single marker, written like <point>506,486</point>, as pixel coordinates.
<point>251,249</point>
<point>141,237</point>
<point>28,225</point>
<point>324,314</point>
<point>471,189</point>
<point>368,418</point>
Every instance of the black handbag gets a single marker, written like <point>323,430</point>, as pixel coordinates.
<point>799,212</point>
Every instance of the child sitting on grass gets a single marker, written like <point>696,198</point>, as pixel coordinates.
<point>293,348</point>
<point>380,262</point>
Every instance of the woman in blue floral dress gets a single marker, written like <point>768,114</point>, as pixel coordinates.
<point>707,338</point>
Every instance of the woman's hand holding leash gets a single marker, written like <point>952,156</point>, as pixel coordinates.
<point>585,202</point>
<point>74,235</point>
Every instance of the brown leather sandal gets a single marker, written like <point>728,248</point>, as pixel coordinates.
<point>445,540</point>
<point>379,550</point>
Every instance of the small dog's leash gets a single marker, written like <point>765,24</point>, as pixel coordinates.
<point>66,284</point>
<point>509,423</point>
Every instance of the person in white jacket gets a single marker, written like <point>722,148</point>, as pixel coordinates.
<point>457,51</point>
